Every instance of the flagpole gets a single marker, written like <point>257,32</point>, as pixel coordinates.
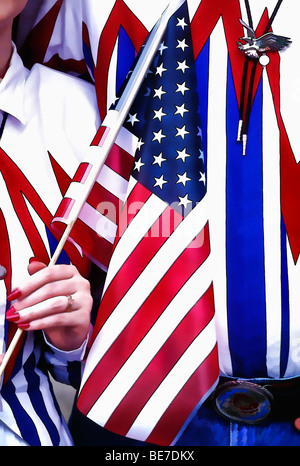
<point>116,119</point>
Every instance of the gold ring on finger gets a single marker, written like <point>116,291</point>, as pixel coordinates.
<point>70,303</point>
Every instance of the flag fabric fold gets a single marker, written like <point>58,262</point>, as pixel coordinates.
<point>153,358</point>
<point>95,228</point>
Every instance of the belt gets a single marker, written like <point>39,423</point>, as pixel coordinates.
<point>254,402</point>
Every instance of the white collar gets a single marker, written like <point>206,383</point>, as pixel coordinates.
<point>12,88</point>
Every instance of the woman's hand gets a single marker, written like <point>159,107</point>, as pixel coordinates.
<point>55,299</point>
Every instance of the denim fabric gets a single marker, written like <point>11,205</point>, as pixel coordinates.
<point>208,428</point>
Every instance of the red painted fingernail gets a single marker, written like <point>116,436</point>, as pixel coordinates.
<point>33,259</point>
<point>24,326</point>
<point>12,315</point>
<point>10,311</point>
<point>14,294</point>
<point>13,318</point>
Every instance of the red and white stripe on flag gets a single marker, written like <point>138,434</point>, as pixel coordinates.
<point>153,358</point>
<point>95,229</point>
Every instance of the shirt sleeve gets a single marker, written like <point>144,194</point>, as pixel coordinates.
<point>66,366</point>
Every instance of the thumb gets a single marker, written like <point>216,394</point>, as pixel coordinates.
<point>35,265</point>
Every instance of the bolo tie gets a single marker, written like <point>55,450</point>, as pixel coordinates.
<point>252,48</point>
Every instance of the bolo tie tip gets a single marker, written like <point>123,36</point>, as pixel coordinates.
<point>239,132</point>
<point>244,143</point>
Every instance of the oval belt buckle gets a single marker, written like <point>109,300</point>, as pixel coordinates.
<point>243,401</point>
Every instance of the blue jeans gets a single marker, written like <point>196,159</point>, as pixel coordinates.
<point>208,428</point>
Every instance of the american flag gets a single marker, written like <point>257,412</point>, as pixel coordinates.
<point>91,206</point>
<point>98,219</point>
<point>153,358</point>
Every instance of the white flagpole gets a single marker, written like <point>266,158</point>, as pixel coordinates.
<point>116,119</point>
